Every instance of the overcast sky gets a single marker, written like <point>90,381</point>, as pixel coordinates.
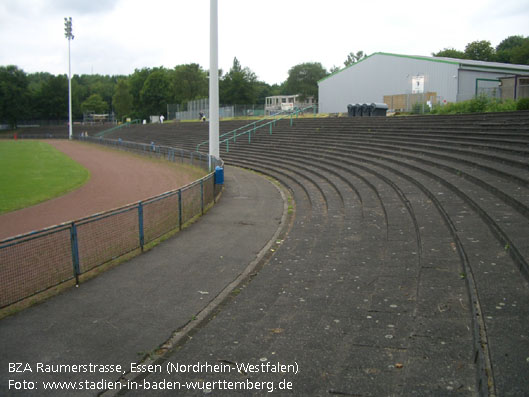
<point>269,36</point>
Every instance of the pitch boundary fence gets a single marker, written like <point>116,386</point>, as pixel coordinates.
<point>37,261</point>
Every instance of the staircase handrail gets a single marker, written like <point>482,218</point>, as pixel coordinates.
<point>253,123</point>
<point>117,127</point>
<point>269,123</point>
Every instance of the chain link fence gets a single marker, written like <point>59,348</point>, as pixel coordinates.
<point>36,261</point>
<point>194,109</point>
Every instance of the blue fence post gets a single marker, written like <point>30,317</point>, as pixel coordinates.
<point>212,179</point>
<point>202,195</point>
<point>75,252</point>
<point>140,225</point>
<point>179,209</point>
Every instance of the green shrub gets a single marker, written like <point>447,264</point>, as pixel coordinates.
<point>479,104</point>
<point>420,108</point>
<point>497,105</point>
<point>522,104</point>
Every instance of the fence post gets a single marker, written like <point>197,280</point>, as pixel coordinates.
<point>270,128</point>
<point>202,195</point>
<point>214,190</point>
<point>140,225</point>
<point>75,252</point>
<point>179,209</point>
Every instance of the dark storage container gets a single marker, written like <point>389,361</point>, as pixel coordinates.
<point>378,109</point>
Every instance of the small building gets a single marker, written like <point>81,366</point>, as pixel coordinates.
<point>278,103</point>
<point>514,87</point>
<point>403,80</point>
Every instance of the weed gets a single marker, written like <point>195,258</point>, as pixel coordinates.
<point>479,104</point>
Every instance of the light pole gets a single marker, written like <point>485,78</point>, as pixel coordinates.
<point>213,81</point>
<point>68,34</point>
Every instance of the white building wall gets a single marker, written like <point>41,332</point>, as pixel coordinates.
<point>470,79</point>
<point>386,74</point>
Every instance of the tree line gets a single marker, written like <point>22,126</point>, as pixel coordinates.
<point>147,91</point>
<point>513,49</point>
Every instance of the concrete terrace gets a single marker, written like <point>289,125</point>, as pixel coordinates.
<point>405,271</point>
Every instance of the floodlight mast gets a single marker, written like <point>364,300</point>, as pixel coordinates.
<point>68,34</point>
<point>213,82</point>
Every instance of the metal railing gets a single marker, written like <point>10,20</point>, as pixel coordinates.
<point>39,260</point>
<point>252,127</point>
<point>124,125</point>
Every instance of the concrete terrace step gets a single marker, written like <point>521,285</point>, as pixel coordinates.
<point>405,271</point>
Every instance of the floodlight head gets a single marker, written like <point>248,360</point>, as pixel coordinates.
<point>68,28</point>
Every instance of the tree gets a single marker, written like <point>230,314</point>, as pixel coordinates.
<point>303,79</point>
<point>264,89</point>
<point>52,99</point>
<point>13,94</point>
<point>155,94</point>
<point>136,82</point>
<point>450,53</point>
<point>122,99</point>
<point>238,86</point>
<point>505,51</point>
<point>520,54</point>
<point>354,58</point>
<point>189,82</point>
<point>94,103</point>
<point>480,51</point>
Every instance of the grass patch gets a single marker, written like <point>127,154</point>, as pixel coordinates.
<point>32,172</point>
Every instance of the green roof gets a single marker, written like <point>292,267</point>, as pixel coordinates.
<point>453,61</point>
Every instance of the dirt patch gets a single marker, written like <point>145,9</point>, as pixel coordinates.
<point>117,178</point>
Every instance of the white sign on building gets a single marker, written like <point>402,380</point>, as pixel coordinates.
<point>417,84</point>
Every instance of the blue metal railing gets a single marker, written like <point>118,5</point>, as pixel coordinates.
<point>126,124</point>
<point>271,123</point>
<point>252,124</point>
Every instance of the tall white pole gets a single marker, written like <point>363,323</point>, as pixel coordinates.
<point>68,34</point>
<point>70,130</point>
<point>213,81</point>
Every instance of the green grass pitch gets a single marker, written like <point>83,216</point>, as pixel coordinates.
<point>34,171</point>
